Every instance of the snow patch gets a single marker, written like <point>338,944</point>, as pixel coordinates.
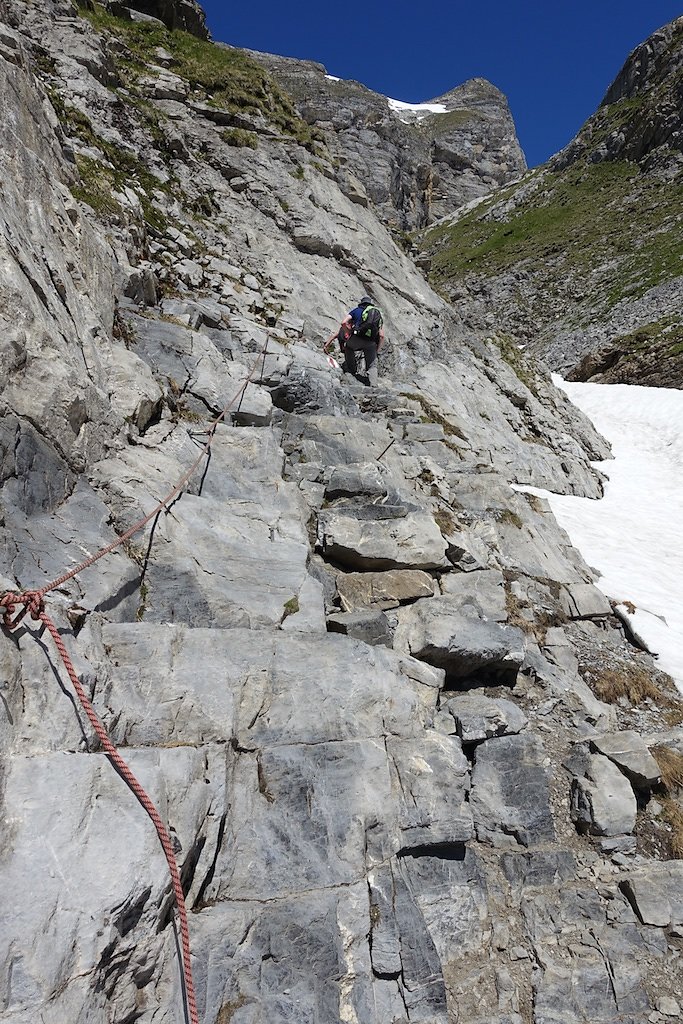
<point>633,535</point>
<point>415,111</point>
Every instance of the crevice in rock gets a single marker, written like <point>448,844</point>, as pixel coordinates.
<point>190,866</point>
<point>112,965</point>
<point>35,286</point>
<point>489,675</point>
<point>626,890</point>
<point>394,976</point>
<point>442,851</point>
<point>199,901</point>
<point>130,913</point>
<point>155,417</point>
<point>134,1015</point>
<point>262,781</point>
<point>469,749</point>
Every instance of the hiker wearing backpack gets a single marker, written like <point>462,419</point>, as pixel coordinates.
<point>361,330</point>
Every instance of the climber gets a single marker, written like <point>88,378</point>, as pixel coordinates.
<point>361,330</point>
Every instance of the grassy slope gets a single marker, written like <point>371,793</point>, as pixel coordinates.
<point>227,78</point>
<point>607,219</point>
<point>586,235</point>
<point>224,78</point>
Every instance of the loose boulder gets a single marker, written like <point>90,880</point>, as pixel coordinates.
<point>369,625</point>
<point>655,892</point>
<point>629,753</point>
<point>383,589</point>
<point>412,541</point>
<point>602,800</point>
<point>476,718</point>
<point>458,640</point>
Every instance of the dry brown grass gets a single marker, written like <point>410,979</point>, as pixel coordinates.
<point>674,713</point>
<point>515,609</point>
<point>625,680</point>
<point>672,813</point>
<point>537,626</point>
<point>636,683</point>
<point>445,520</point>
<point>228,1010</point>
<point>535,503</point>
<point>670,765</point>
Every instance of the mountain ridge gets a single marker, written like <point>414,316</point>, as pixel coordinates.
<point>416,171</point>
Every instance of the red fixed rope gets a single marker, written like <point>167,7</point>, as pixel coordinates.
<point>32,602</point>
<point>16,606</point>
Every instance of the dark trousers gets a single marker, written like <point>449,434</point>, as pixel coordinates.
<point>369,350</point>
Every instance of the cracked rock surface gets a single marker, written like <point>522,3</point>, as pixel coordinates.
<point>373,825</point>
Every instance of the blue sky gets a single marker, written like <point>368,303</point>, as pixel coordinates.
<point>554,61</point>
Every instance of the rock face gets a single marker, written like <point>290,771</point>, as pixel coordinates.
<point>413,163</point>
<point>175,14</point>
<point>510,793</point>
<point>650,78</point>
<point>610,200</point>
<point>345,658</point>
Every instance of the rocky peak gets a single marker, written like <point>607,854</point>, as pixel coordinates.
<point>475,92</point>
<point>641,116</point>
<point>610,201</point>
<point>650,64</point>
<point>413,162</point>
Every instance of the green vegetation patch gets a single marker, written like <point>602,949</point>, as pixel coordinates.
<point>96,187</point>
<point>227,77</point>
<point>649,355</point>
<point>117,169</point>
<point>666,334</point>
<point>290,607</point>
<point>523,368</point>
<point>565,213</point>
<point>240,137</point>
<point>603,219</point>
<point>621,116</point>
<point>442,124</point>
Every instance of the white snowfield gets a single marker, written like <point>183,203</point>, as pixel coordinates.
<point>633,536</point>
